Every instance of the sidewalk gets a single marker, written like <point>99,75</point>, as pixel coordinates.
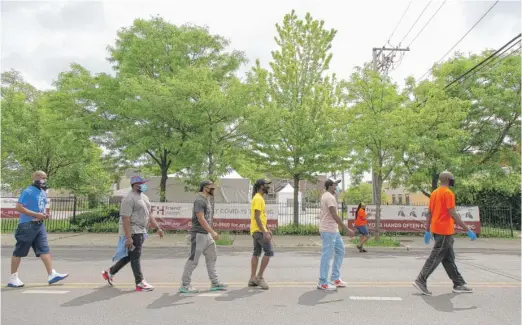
<point>104,240</point>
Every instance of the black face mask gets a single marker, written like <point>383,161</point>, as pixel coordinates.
<point>40,184</point>
<point>211,191</point>
<point>452,182</point>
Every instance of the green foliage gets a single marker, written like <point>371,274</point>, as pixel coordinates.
<point>360,193</point>
<point>40,133</point>
<point>295,229</point>
<point>295,126</point>
<point>384,241</point>
<point>224,239</point>
<point>100,215</point>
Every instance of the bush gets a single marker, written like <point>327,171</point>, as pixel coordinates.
<point>293,229</point>
<point>224,239</point>
<point>97,216</point>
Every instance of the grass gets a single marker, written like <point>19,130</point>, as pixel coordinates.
<point>224,239</point>
<point>384,241</point>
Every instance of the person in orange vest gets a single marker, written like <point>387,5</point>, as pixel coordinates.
<point>362,226</point>
<point>440,221</point>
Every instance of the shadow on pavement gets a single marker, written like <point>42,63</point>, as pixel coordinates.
<point>443,303</point>
<point>100,294</point>
<point>167,300</point>
<point>312,298</point>
<point>239,294</point>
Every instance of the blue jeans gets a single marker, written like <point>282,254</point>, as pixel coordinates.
<point>332,242</point>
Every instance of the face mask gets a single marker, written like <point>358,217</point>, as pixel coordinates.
<point>211,191</point>
<point>337,190</point>
<point>452,182</point>
<point>144,188</point>
<point>265,189</point>
<point>40,184</point>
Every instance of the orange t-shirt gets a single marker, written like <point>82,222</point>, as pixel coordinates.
<point>441,201</point>
<point>360,219</point>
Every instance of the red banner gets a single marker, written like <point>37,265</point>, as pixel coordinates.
<point>217,224</point>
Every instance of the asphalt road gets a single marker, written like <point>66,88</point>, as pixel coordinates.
<point>379,291</point>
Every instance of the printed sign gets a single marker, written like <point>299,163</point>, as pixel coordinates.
<point>397,218</point>
<point>178,216</point>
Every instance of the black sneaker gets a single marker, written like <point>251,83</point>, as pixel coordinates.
<point>462,289</point>
<point>421,287</point>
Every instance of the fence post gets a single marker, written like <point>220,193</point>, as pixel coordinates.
<point>511,221</point>
<point>343,232</point>
<point>74,210</point>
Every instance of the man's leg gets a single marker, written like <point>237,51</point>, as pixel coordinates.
<point>135,257</point>
<point>197,244</point>
<point>254,261</point>
<point>439,251</point>
<point>459,285</point>
<point>41,249</point>
<point>119,265</point>
<point>210,253</point>
<point>328,241</point>
<point>338,259</point>
<point>24,236</point>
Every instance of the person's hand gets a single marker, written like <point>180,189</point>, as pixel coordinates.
<point>350,232</point>
<point>41,216</point>
<point>471,234</point>
<point>427,237</point>
<point>267,235</point>
<point>214,235</point>
<point>160,232</point>
<point>128,242</point>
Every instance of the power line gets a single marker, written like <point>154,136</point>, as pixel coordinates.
<point>415,23</point>
<point>485,60</point>
<point>489,64</point>
<point>400,20</point>
<point>460,40</point>
<point>427,23</point>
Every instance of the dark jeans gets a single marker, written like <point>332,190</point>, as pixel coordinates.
<point>134,258</point>
<point>442,252</point>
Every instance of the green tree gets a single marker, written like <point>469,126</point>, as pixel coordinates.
<point>296,116</point>
<point>376,130</point>
<point>38,133</point>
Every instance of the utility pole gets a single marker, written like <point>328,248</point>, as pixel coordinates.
<point>382,61</point>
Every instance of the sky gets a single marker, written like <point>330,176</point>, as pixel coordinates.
<point>41,39</point>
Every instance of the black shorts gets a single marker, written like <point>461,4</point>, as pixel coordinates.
<point>261,244</point>
<point>31,235</point>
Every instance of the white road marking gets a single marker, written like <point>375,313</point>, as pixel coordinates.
<point>56,292</point>
<point>376,298</point>
<point>210,294</point>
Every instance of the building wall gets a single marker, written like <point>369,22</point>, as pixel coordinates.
<point>402,196</point>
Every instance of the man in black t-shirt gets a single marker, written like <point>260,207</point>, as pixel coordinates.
<point>202,240</point>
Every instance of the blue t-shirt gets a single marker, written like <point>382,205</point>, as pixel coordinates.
<point>32,198</point>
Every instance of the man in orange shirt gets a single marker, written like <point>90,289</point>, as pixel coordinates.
<point>440,221</point>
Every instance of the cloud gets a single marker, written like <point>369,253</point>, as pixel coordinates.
<point>76,15</point>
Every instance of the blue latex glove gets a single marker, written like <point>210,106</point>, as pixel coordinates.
<point>471,234</point>
<point>427,237</point>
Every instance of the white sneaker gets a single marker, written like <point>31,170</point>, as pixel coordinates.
<point>144,286</point>
<point>14,281</point>
<point>338,283</point>
<point>326,287</point>
<point>55,277</point>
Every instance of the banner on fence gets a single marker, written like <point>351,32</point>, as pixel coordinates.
<point>178,216</point>
<point>397,218</point>
<point>8,206</point>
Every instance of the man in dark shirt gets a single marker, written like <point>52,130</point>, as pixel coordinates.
<point>202,240</point>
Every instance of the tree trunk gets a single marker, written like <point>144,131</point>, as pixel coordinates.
<point>378,197</point>
<point>434,181</point>
<point>296,200</point>
<point>163,184</point>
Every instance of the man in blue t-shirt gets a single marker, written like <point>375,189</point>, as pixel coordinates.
<point>31,230</point>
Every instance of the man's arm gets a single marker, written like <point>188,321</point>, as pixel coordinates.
<point>428,220</point>
<point>21,209</point>
<point>257,216</point>
<point>203,222</point>
<point>333,212</point>
<point>125,213</point>
<point>457,219</point>
<point>155,224</point>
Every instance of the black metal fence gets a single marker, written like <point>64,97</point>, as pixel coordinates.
<point>81,214</point>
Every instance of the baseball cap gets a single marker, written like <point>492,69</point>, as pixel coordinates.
<point>330,182</point>
<point>202,184</point>
<point>138,180</point>
<point>262,181</point>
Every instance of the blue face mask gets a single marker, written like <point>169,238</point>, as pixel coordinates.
<point>337,190</point>
<point>144,188</point>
